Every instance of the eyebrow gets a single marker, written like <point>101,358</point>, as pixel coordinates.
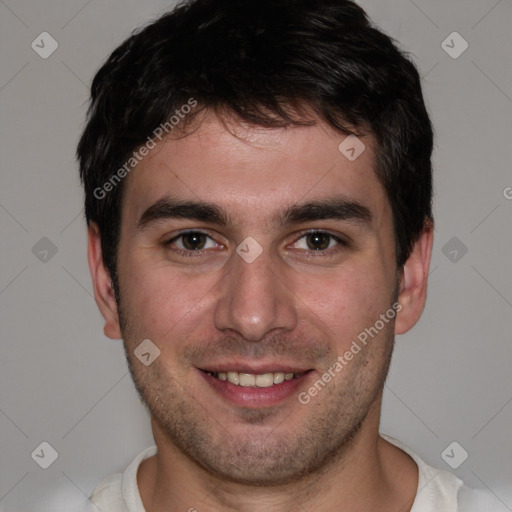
<point>174,209</point>
<point>336,208</point>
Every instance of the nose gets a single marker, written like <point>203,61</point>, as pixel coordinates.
<point>254,299</point>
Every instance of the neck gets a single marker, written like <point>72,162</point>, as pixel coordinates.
<point>370,474</point>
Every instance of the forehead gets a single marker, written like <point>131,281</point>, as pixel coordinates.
<point>253,171</point>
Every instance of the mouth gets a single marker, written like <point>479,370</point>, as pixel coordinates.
<point>257,388</point>
<point>255,380</point>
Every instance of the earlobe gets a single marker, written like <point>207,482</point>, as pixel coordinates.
<point>102,284</point>
<point>413,282</point>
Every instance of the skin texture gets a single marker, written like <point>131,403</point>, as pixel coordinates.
<point>292,305</point>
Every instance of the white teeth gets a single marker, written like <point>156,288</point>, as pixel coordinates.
<point>262,380</point>
<point>246,379</point>
<point>265,380</point>
<point>278,377</point>
<point>233,378</point>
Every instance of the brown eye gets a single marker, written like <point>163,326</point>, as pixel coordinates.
<point>318,241</point>
<point>194,241</point>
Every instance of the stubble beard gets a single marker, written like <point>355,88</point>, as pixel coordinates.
<point>257,458</point>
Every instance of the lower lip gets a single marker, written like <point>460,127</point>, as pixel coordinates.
<point>253,396</point>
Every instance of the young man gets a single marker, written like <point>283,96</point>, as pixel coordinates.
<point>258,196</point>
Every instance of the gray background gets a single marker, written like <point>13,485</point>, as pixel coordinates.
<point>63,382</point>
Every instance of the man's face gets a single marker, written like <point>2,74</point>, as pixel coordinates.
<point>324,276</point>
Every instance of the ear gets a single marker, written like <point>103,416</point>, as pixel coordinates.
<point>413,281</point>
<point>102,283</point>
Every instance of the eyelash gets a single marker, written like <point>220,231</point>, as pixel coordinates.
<point>189,253</point>
<point>341,243</point>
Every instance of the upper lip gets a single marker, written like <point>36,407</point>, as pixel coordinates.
<point>254,368</point>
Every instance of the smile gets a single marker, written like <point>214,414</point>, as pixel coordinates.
<point>260,380</point>
<point>254,390</point>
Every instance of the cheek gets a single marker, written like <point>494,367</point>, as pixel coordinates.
<point>346,301</point>
<point>159,301</point>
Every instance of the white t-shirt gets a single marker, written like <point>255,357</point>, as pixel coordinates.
<point>438,490</point>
